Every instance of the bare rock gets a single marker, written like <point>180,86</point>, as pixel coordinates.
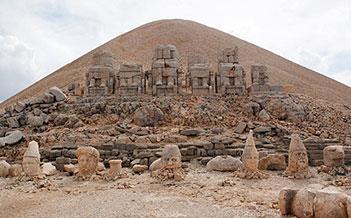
<point>19,106</point>
<point>49,169</point>
<point>148,115</point>
<point>240,128</point>
<point>57,93</point>
<point>333,156</point>
<point>137,168</point>
<point>272,162</point>
<point>156,165</point>
<point>263,115</point>
<point>190,132</point>
<point>11,138</point>
<point>224,163</point>
<point>35,121</point>
<point>13,122</point>
<point>15,170</point>
<point>4,168</point>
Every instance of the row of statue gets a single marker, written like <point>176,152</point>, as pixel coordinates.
<point>164,76</point>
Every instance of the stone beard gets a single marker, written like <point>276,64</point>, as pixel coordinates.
<point>251,162</point>
<point>172,162</point>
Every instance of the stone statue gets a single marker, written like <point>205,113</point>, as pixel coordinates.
<point>115,171</point>
<point>314,202</point>
<point>250,160</point>
<point>334,161</point>
<point>31,160</point>
<point>169,166</point>
<point>298,159</point>
<point>88,159</point>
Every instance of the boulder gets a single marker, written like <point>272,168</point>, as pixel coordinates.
<point>48,98</point>
<point>49,169</point>
<point>263,115</point>
<point>156,165</point>
<point>148,115</point>
<point>137,168</point>
<point>252,109</point>
<point>190,132</point>
<point>57,93</point>
<point>11,138</point>
<point>224,163</point>
<point>333,156</point>
<point>240,128</point>
<point>13,122</point>
<point>272,162</point>
<point>35,121</point>
<point>20,106</point>
<point>70,168</point>
<point>60,120</point>
<point>15,170</point>
<point>4,168</point>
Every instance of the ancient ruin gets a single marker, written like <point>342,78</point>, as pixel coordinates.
<point>260,81</point>
<point>250,159</point>
<point>201,79</point>
<point>130,80</point>
<point>231,77</point>
<point>298,159</point>
<point>164,71</point>
<point>169,166</point>
<point>88,159</point>
<point>31,160</point>
<point>100,78</point>
<point>334,161</point>
<point>314,201</point>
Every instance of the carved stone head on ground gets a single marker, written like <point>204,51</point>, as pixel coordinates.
<point>88,159</point>
<point>171,157</point>
<point>31,160</point>
<point>298,159</point>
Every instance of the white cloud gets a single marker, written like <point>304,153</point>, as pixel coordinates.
<point>56,32</point>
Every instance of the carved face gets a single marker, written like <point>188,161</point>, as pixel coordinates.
<point>31,166</point>
<point>173,162</point>
<point>87,164</point>
<point>299,159</point>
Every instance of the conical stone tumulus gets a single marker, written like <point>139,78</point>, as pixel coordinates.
<point>298,159</point>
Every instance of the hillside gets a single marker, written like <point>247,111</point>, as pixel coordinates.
<point>193,38</point>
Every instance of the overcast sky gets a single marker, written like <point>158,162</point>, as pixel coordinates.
<point>40,36</point>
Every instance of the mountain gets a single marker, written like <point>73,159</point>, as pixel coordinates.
<point>192,38</point>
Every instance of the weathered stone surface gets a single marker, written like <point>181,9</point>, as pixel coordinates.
<point>49,169</point>
<point>263,115</point>
<point>88,159</point>
<point>11,138</point>
<point>31,160</point>
<point>4,168</point>
<point>148,116</point>
<point>19,106</point>
<point>60,120</point>
<point>15,170</point>
<point>13,122</point>
<point>190,132</point>
<point>333,156</point>
<point>224,163</point>
<point>240,128</point>
<point>253,109</point>
<point>115,168</point>
<point>272,162</point>
<point>57,93</point>
<point>286,109</point>
<point>313,201</point>
<point>137,168</point>
<point>156,165</point>
<point>35,121</point>
<point>70,168</point>
<point>298,159</point>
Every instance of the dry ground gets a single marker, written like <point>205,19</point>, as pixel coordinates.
<point>200,195</point>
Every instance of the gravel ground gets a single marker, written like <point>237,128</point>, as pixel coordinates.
<point>201,194</point>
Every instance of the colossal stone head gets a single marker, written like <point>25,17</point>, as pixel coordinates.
<point>88,159</point>
<point>334,156</point>
<point>250,154</point>
<point>171,157</point>
<point>31,160</point>
<point>298,159</point>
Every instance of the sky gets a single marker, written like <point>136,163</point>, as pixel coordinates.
<point>38,37</point>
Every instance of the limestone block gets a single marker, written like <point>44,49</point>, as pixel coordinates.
<point>4,168</point>
<point>49,169</point>
<point>333,156</point>
<point>57,93</point>
<point>224,163</point>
